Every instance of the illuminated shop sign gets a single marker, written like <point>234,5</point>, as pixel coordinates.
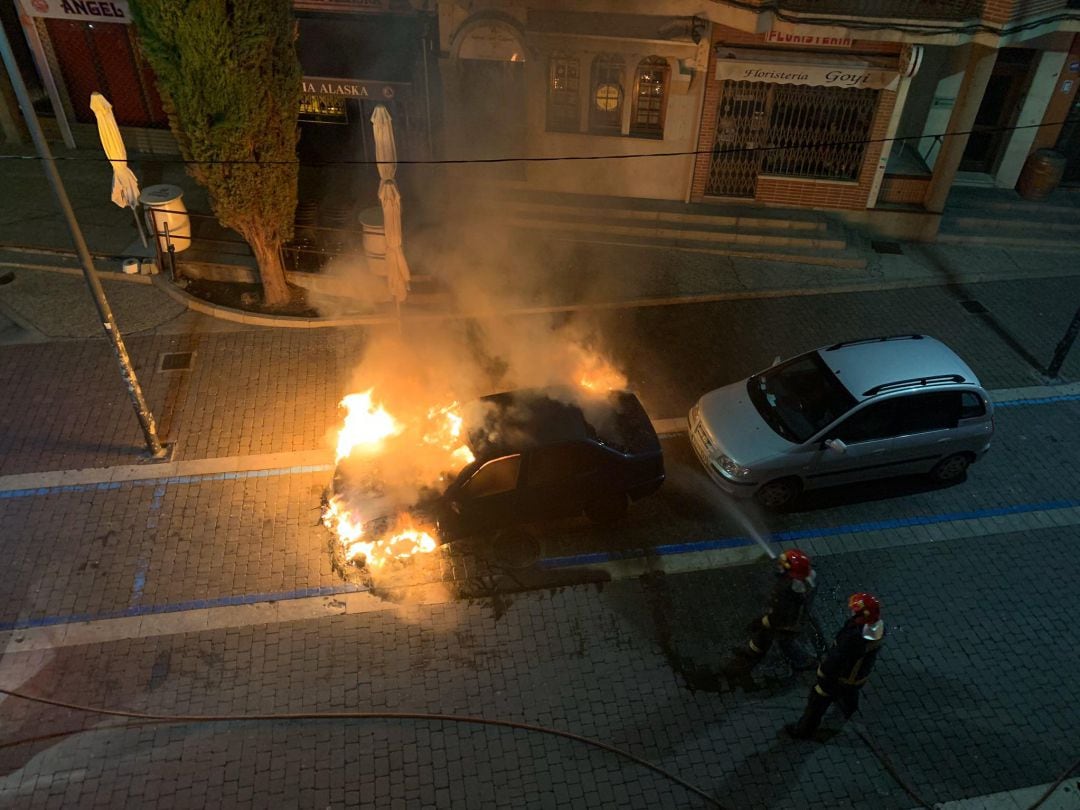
<point>115,11</point>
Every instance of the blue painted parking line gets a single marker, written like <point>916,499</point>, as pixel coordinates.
<point>1016,403</point>
<point>595,558</point>
<point>804,534</point>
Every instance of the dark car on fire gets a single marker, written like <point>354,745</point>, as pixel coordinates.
<point>544,454</point>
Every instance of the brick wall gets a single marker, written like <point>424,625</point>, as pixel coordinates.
<point>904,190</point>
<point>788,191</point>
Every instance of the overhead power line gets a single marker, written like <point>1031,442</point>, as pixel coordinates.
<point>558,158</point>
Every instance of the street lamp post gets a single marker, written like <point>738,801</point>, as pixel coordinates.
<point>108,323</point>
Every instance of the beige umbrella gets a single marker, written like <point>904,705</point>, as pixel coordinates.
<point>125,188</point>
<point>397,268</point>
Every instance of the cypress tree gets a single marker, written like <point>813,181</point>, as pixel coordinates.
<point>229,79</point>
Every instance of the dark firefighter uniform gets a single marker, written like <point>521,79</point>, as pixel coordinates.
<point>783,620</point>
<point>842,673</point>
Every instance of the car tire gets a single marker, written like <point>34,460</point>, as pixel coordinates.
<point>779,493</point>
<point>515,548</point>
<point>950,469</point>
<point>608,509</point>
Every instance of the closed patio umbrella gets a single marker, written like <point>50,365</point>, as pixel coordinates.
<point>397,268</point>
<point>125,188</point>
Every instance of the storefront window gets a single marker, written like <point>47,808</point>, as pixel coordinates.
<point>563,102</point>
<point>323,109</point>
<point>605,108</point>
<point>650,99</point>
<point>788,130</point>
<point>826,127</point>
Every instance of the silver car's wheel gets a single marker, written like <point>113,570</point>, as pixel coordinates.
<point>778,494</point>
<point>951,468</point>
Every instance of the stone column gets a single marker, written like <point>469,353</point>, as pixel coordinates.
<point>980,63</point>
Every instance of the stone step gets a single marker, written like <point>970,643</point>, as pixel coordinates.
<point>839,257</point>
<point>684,233</point>
<point>1059,224</point>
<point>1051,244</point>
<point>708,221</point>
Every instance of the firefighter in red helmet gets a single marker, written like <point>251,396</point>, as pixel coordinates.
<point>846,666</point>
<point>785,616</point>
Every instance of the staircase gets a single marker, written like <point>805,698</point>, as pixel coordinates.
<point>780,235</point>
<point>1001,217</point>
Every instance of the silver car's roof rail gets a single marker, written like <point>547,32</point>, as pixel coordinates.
<point>932,380</point>
<point>844,343</point>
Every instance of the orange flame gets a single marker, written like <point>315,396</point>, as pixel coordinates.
<point>403,541</point>
<point>596,374</point>
<point>370,431</point>
<point>366,426</point>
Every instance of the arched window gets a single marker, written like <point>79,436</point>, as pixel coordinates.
<point>650,98</point>
<point>564,94</point>
<point>606,104</point>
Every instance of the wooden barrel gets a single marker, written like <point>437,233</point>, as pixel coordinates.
<point>1041,174</point>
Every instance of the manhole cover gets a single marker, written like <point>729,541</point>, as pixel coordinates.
<point>176,361</point>
<point>973,306</point>
<point>886,247</point>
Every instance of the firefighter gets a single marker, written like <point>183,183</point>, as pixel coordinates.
<point>787,612</point>
<point>846,666</point>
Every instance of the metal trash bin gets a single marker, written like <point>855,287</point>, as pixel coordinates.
<point>1041,174</point>
<point>164,207</point>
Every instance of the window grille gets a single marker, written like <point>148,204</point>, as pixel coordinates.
<point>563,102</point>
<point>647,120</point>
<point>605,107</point>
<point>787,130</point>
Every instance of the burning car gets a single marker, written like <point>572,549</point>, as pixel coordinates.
<point>525,456</point>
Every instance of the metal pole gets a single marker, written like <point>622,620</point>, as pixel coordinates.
<point>1064,346</point>
<point>108,323</point>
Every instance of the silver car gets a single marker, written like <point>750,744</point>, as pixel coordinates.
<point>848,412</point>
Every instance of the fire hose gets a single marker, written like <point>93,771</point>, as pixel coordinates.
<point>142,718</point>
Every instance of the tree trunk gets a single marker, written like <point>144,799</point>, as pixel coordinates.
<point>271,271</point>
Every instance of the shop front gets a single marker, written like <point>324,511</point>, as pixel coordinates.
<point>85,47</point>
<point>797,123</point>
<point>351,63</point>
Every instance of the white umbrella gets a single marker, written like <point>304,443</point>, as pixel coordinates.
<point>397,269</point>
<point>125,188</point>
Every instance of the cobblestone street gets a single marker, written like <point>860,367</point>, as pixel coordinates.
<point>204,587</point>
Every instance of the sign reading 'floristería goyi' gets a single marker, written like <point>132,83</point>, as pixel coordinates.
<point>848,75</point>
<point>114,11</point>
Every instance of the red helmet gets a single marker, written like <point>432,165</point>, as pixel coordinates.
<point>865,608</point>
<point>794,563</point>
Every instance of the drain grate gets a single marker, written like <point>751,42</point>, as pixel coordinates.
<point>176,361</point>
<point>971,305</point>
<point>886,247</point>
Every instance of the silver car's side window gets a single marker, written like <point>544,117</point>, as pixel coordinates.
<point>875,421</point>
<point>922,413</point>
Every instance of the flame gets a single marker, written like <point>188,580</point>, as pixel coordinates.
<point>596,374</point>
<point>366,426</point>
<point>445,432</point>
<point>370,431</point>
<point>403,541</point>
